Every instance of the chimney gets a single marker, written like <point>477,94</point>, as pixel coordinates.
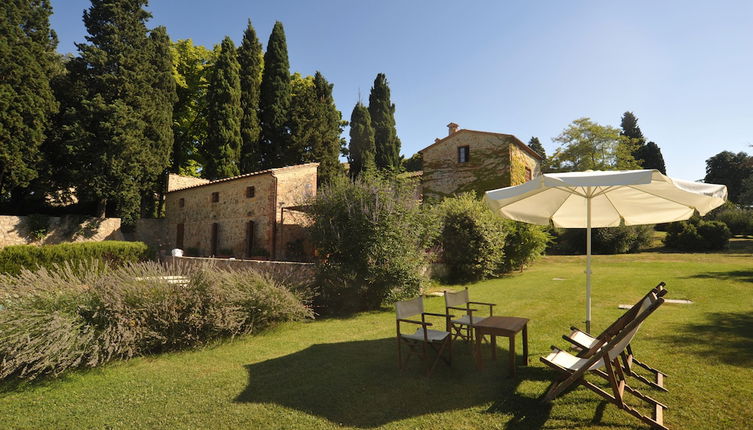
<point>452,128</point>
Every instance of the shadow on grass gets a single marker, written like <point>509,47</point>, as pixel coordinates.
<point>358,384</point>
<point>727,336</point>
<point>732,275</point>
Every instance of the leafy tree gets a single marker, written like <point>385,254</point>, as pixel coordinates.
<point>251,60</point>
<point>536,145</point>
<point>382,113</point>
<point>115,149</point>
<point>27,63</point>
<point>729,169</point>
<point>587,145</point>
<point>191,67</point>
<point>224,114</point>
<point>274,102</point>
<point>630,129</point>
<point>650,157</point>
<point>414,164</point>
<point>362,149</point>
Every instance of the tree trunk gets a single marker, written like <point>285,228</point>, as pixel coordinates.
<point>101,208</point>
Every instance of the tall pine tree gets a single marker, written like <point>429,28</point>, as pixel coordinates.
<point>328,144</point>
<point>224,114</point>
<point>647,154</point>
<point>362,149</point>
<point>274,102</point>
<point>250,59</point>
<point>630,129</point>
<point>27,58</point>
<point>382,113</point>
<point>536,145</point>
<point>116,148</point>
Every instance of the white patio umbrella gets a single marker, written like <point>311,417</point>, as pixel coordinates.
<point>604,199</point>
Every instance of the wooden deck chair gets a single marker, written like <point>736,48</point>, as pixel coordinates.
<point>462,327</point>
<point>605,355</point>
<point>584,342</point>
<point>423,338</point>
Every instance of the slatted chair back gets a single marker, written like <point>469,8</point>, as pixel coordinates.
<point>620,346</point>
<point>457,298</point>
<point>408,308</point>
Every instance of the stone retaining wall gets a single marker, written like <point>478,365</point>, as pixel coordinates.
<point>287,272</point>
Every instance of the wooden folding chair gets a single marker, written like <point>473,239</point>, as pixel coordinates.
<point>584,342</point>
<point>462,327</point>
<point>605,354</point>
<point>424,338</point>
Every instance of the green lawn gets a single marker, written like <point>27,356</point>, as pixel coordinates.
<point>342,372</point>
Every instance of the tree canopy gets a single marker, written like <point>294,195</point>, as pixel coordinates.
<point>251,59</point>
<point>361,149</point>
<point>382,112</point>
<point>274,102</point>
<point>587,145</point>
<point>731,170</point>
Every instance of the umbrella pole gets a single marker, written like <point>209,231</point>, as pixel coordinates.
<point>588,265</point>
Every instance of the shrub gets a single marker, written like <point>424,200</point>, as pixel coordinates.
<point>738,220</point>
<point>697,234</point>
<point>370,236</point>
<point>15,258</point>
<point>475,243</point>
<point>609,240</point>
<point>77,317</point>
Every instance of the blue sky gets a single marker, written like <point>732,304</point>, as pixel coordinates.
<point>528,68</point>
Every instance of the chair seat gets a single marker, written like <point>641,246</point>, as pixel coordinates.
<point>466,320</point>
<point>432,335</point>
<point>570,362</point>
<point>583,339</point>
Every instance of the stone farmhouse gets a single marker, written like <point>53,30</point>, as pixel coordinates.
<point>477,161</point>
<point>252,215</point>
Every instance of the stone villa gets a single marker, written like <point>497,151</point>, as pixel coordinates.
<point>477,161</point>
<point>252,215</point>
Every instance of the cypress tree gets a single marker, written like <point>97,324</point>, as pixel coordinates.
<point>382,113</point>
<point>328,144</point>
<point>536,145</point>
<point>250,60</point>
<point>27,59</point>
<point>650,157</point>
<point>224,114</point>
<point>362,149</point>
<point>117,69</point>
<point>274,102</point>
<point>630,129</point>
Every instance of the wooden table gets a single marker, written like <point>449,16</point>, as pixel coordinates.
<point>501,326</point>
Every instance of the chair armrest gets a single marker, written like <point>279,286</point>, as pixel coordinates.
<point>462,309</point>
<point>439,315</point>
<point>425,324</point>
<point>483,303</point>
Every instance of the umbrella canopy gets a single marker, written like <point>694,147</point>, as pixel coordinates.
<point>604,199</point>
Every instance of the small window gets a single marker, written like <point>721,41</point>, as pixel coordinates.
<point>215,197</point>
<point>179,236</point>
<point>464,154</point>
<point>529,175</point>
<point>250,192</point>
<point>181,203</point>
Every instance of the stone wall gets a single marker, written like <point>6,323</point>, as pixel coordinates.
<point>289,273</point>
<point>176,182</point>
<point>491,164</point>
<point>273,190</point>
<point>16,230</point>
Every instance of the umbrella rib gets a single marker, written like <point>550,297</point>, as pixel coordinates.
<point>661,197</point>
<point>606,196</point>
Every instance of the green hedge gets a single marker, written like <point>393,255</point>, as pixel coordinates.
<point>17,257</point>
<point>610,240</point>
<point>697,234</point>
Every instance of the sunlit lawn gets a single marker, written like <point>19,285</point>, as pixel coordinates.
<point>343,373</point>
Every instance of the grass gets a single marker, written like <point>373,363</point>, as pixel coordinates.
<point>341,372</point>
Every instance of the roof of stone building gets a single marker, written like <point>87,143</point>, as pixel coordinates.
<point>246,175</point>
<point>517,141</point>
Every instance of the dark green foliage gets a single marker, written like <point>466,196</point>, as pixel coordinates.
<point>37,227</point>
<point>731,170</point>
<point>609,240</point>
<point>27,63</point>
<point>370,236</point>
<point>315,125</point>
<point>119,121</point>
<point>382,112</point>
<point>250,59</point>
<point>476,244</point>
<point>536,145</point>
<point>56,321</point>
<point>630,129</point>
<point>696,235</point>
<point>650,157</point>
<point>274,103</point>
<point>739,220</point>
<point>224,114</point>
<point>361,150</point>
<point>414,164</point>
<point>15,258</point>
